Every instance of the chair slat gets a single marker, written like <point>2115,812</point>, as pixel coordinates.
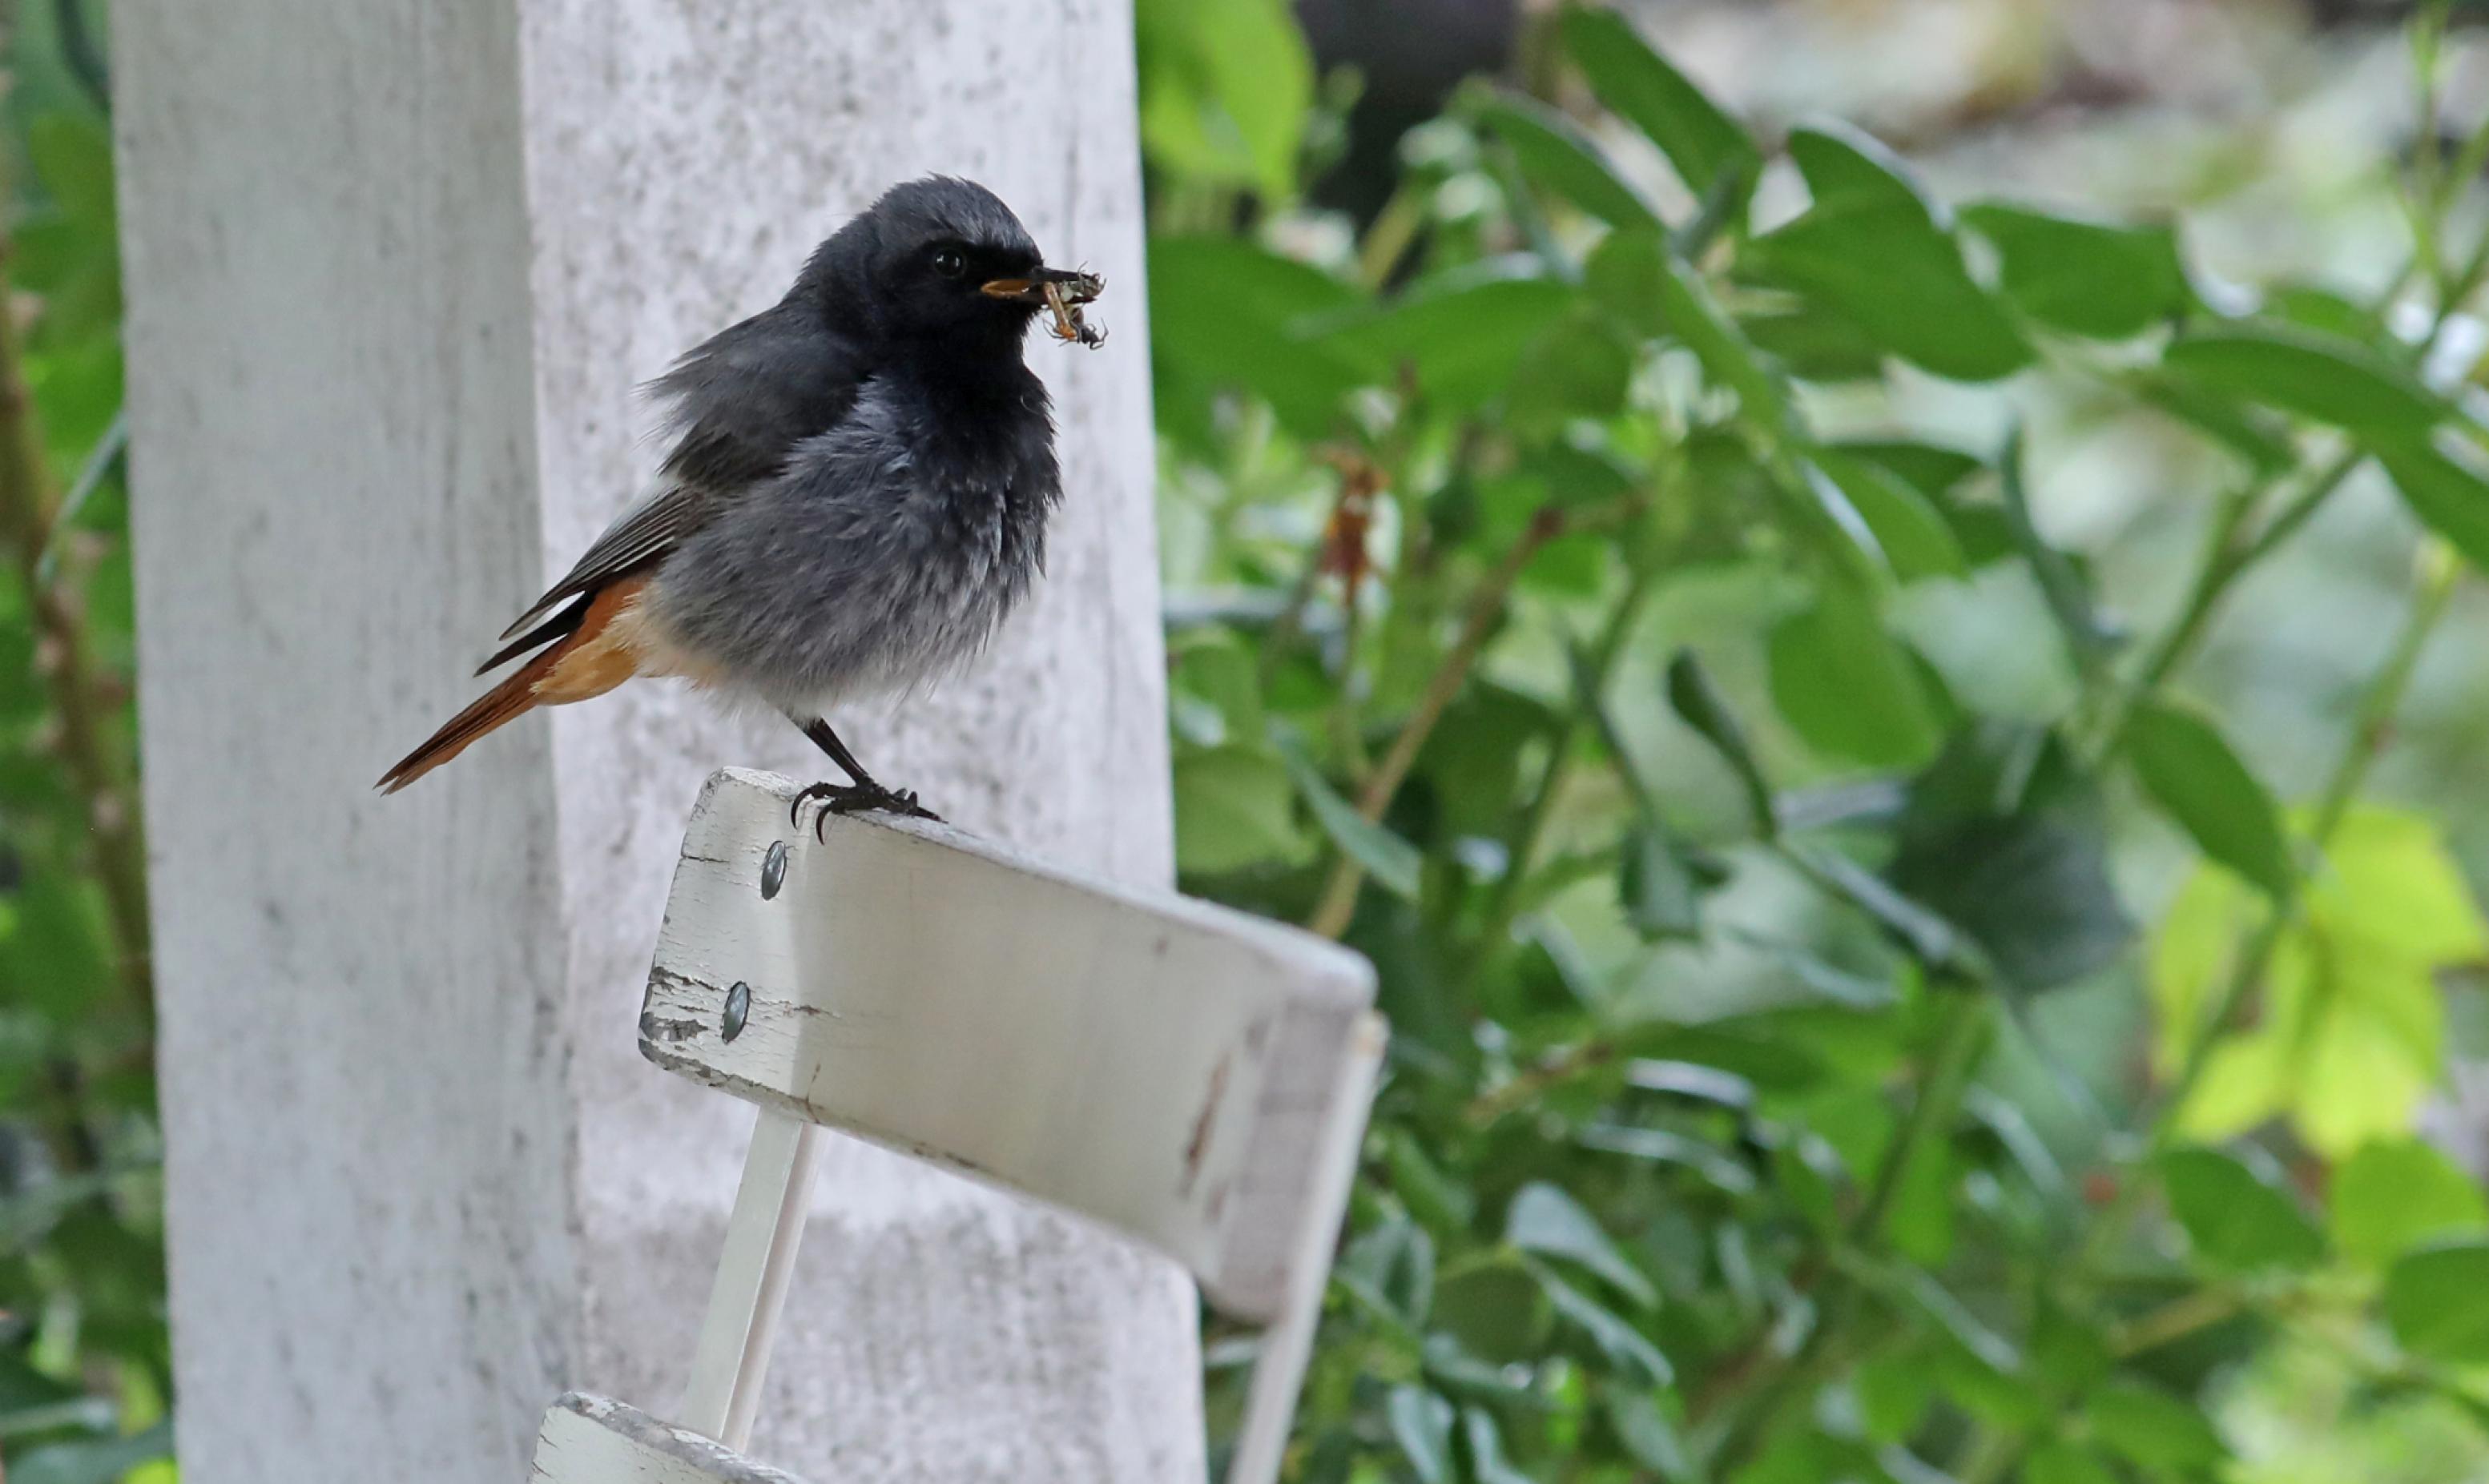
<point>593,1440</point>
<point>1160,1065</point>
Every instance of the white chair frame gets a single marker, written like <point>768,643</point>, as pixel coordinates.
<point>1192,1076</point>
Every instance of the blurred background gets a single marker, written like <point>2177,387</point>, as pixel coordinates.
<point>1865,604</point>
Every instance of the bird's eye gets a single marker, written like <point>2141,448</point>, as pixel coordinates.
<point>949,263</point>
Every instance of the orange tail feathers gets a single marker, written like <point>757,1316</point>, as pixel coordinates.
<point>596,655</point>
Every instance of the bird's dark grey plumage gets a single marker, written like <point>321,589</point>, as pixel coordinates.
<point>914,457</point>
<point>855,494</point>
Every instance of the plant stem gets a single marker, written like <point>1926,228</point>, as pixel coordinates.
<point>1346,725</point>
<point>2371,725</point>
<point>63,658</point>
<point>1932,1113</point>
<point>2302,508</point>
<point>2227,559</point>
<point>2196,1310</point>
<point>1485,609</point>
<point>1522,845</point>
<point>1964,1037</point>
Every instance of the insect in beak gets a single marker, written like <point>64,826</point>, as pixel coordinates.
<point>1062,291</point>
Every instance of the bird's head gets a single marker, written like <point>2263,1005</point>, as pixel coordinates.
<point>939,262</point>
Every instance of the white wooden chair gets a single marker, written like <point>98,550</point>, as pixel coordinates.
<point>1189,1076</point>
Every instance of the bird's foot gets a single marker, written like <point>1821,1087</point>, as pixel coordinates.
<point>863,798</point>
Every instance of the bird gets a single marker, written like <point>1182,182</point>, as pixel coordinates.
<point>854,494</point>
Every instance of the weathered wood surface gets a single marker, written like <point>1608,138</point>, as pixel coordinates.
<point>1161,1064</point>
<point>394,270</point>
<point>594,1440</point>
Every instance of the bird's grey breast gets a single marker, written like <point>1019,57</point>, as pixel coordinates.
<point>887,552</point>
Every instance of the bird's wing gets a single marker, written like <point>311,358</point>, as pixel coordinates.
<point>738,403</point>
<point>648,529</point>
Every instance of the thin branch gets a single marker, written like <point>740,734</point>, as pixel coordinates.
<point>1522,846</point>
<point>2371,727</point>
<point>28,506</point>
<point>1486,607</point>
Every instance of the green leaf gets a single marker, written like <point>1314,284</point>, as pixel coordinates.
<point>2322,377</point>
<point>2396,1193</point>
<point>1543,1219</point>
<point>1499,1312</point>
<point>2253,433</point>
<point>1919,1220</point>
<point>1225,90</point>
<point>1578,368</point>
<point>1871,249</point>
<point>1623,274</point>
<point>1658,887</point>
<point>2194,776</point>
<point>1234,808</point>
<point>1849,688</point>
<point>2322,309</point>
<point>1894,1390</point>
<point>1394,1264</point>
<point>1431,1195</point>
<point>2451,498</point>
<point>1814,344</point>
<point>2153,1428</point>
<point>1711,153</point>
<point>2062,1462</point>
<point>1697,322</point>
<point>2350,1034</point>
<point>1393,862</point>
<point>1461,1374</point>
<point>1554,154</point>
<point>2006,837</point>
<point>2237,1218</point>
<point>1651,1437</point>
<point>1460,335</point>
<point>1618,1341</point>
<point>1912,533</point>
<point>72,156</point>
<point>1487,1464</point>
<point>1702,707</point>
<point>1222,313</point>
<point>1848,169</point>
<point>2092,278</point>
<point>1214,667</point>
<point>2436,1299</point>
<point>1921,933</point>
<point>92,1461</point>
<point>2062,585</point>
<point>1932,468</point>
<point>1421,1423</point>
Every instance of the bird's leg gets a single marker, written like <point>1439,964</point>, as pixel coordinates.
<point>864,795</point>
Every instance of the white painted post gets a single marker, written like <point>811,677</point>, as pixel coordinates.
<point>394,269</point>
<point>762,1235</point>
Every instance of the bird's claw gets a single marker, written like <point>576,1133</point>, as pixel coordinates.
<point>865,798</point>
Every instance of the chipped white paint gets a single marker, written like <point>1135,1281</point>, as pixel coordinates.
<point>1191,1075</point>
<point>593,1440</point>
<point>394,269</point>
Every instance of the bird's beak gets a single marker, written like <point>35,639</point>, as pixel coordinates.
<point>1031,290</point>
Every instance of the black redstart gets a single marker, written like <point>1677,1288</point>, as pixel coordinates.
<point>856,493</point>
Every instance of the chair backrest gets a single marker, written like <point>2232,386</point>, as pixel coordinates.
<point>1171,1069</point>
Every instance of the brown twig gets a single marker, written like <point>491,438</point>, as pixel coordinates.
<point>64,660</point>
<point>1485,606</point>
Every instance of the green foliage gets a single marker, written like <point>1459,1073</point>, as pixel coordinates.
<point>84,1358</point>
<point>1731,1131</point>
<point>1231,85</point>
